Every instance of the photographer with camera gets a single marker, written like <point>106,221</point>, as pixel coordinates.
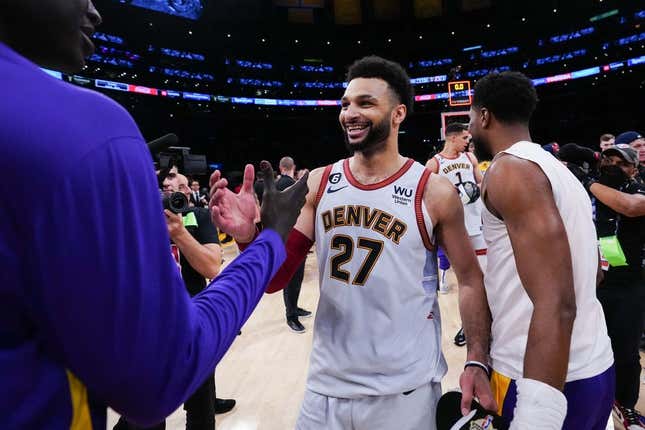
<point>192,231</point>
<point>583,163</point>
<point>195,248</point>
<point>622,242</point>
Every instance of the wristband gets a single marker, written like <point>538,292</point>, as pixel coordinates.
<point>539,406</point>
<point>473,363</point>
<point>242,246</point>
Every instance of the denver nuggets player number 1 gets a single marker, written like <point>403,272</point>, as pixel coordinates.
<point>460,167</point>
<point>376,219</point>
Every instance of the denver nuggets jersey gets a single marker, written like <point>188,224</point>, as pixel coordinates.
<point>510,305</point>
<point>458,171</point>
<point>377,329</point>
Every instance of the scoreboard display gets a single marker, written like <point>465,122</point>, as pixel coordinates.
<point>459,93</point>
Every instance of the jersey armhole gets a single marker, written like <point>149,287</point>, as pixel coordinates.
<point>418,210</point>
<point>323,182</point>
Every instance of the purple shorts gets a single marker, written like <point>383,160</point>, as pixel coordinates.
<point>589,401</point>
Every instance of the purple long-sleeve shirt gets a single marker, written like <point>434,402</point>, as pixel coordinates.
<point>93,311</point>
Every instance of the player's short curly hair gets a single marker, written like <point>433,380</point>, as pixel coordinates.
<point>509,96</point>
<point>392,73</point>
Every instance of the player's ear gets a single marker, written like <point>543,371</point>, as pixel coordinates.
<point>399,113</point>
<point>485,117</point>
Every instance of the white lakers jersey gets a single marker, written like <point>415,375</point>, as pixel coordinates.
<point>458,171</point>
<point>510,305</point>
<point>377,329</point>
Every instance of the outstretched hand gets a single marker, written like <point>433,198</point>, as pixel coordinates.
<point>280,209</point>
<point>234,214</point>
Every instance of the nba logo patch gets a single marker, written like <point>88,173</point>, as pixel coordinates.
<point>485,423</point>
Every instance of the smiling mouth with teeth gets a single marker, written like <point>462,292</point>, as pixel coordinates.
<point>356,127</point>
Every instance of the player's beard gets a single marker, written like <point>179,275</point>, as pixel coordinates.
<point>483,151</point>
<point>374,141</point>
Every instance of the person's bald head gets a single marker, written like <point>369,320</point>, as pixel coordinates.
<point>51,33</point>
<point>287,166</point>
<point>175,182</point>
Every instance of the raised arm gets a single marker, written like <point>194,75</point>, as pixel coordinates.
<point>108,297</point>
<point>631,205</point>
<point>203,254</point>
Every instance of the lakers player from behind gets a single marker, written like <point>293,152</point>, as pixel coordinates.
<point>551,358</point>
<point>376,219</point>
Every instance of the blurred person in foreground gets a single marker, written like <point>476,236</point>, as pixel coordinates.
<point>549,350</point>
<point>94,312</point>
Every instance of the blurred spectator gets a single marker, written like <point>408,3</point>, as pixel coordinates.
<point>636,141</point>
<point>553,148</point>
<point>628,204</point>
<point>606,141</point>
<point>196,197</point>
<point>580,156</point>
<point>621,294</point>
<point>235,181</point>
<point>291,293</point>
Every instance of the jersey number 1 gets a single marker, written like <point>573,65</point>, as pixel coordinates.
<point>345,244</point>
<point>461,181</point>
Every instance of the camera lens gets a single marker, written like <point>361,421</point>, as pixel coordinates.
<point>176,202</point>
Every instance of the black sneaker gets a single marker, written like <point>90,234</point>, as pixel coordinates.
<point>460,338</point>
<point>295,325</point>
<point>630,418</point>
<point>303,313</point>
<point>223,406</point>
